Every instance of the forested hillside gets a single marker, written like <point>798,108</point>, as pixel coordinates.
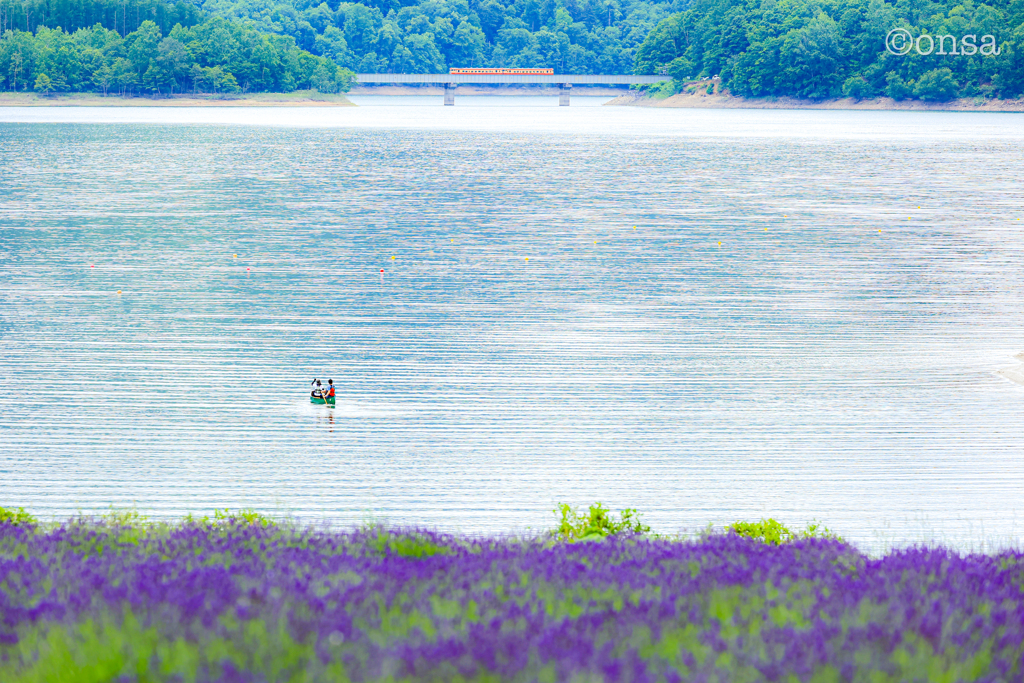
<point>803,48</point>
<point>830,48</point>
<point>149,46</point>
<point>429,36</point>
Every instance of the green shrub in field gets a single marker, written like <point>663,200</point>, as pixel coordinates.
<point>767,531</point>
<point>17,517</point>
<point>225,517</point>
<point>596,523</point>
<point>774,532</point>
<point>406,544</point>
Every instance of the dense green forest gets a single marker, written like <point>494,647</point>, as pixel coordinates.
<point>429,36</point>
<point>804,48</point>
<point>829,48</point>
<point>149,47</point>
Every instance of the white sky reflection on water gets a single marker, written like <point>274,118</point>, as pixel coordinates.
<point>819,368</point>
<point>537,114</point>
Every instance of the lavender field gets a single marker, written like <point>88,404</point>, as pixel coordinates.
<point>240,598</point>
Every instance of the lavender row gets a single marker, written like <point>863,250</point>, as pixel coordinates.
<point>247,601</point>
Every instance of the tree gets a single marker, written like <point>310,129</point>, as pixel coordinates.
<point>425,57</point>
<point>896,87</point>
<point>102,78</point>
<point>858,88</point>
<point>467,46</point>
<point>17,61</point>
<point>937,85</point>
<point>195,74</point>
<point>173,62</point>
<point>142,46</point>
<point>123,75</point>
<point>157,78</point>
<point>44,84</point>
<point>213,76</point>
<point>811,59</point>
<point>323,78</point>
<point>228,83</point>
<point>220,80</point>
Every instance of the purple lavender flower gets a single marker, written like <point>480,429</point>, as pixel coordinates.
<point>242,602</point>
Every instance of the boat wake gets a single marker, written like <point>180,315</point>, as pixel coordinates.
<point>1014,374</point>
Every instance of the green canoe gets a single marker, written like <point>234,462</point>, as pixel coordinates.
<point>321,401</point>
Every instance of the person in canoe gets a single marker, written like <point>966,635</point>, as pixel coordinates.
<point>318,390</point>
<point>330,391</point>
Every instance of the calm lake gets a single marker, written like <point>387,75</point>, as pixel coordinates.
<point>705,315</point>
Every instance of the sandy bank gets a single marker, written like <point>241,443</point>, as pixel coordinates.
<point>304,98</point>
<point>1014,374</point>
<point>701,100</point>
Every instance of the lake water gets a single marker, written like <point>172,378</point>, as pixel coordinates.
<point>705,315</point>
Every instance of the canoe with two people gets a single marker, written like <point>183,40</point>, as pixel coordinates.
<point>322,394</point>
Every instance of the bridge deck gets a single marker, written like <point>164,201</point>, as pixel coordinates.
<point>557,79</point>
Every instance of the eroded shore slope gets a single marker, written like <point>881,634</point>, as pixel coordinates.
<point>726,101</point>
<point>296,99</point>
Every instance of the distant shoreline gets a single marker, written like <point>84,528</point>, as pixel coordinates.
<point>701,100</point>
<point>688,100</point>
<point>303,98</point>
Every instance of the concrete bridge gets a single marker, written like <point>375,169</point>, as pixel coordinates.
<point>564,81</point>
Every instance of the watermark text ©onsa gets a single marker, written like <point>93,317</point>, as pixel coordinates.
<point>901,42</point>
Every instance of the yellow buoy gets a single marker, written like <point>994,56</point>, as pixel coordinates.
<point>595,241</point>
<point>879,230</point>
<point>766,229</point>
<point>119,291</point>
<point>236,255</point>
<point>527,258</point>
<point>392,258</point>
<point>719,244</point>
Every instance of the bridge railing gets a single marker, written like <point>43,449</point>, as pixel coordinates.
<point>564,81</point>
<point>556,79</point>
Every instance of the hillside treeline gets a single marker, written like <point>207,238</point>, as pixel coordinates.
<point>832,48</point>
<point>211,56</point>
<point>429,36</point>
<point>123,16</point>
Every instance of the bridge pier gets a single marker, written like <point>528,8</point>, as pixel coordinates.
<point>449,94</point>
<point>563,94</point>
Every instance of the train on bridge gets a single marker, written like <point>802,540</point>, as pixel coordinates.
<point>501,72</point>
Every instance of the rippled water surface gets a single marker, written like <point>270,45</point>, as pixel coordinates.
<point>704,315</point>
